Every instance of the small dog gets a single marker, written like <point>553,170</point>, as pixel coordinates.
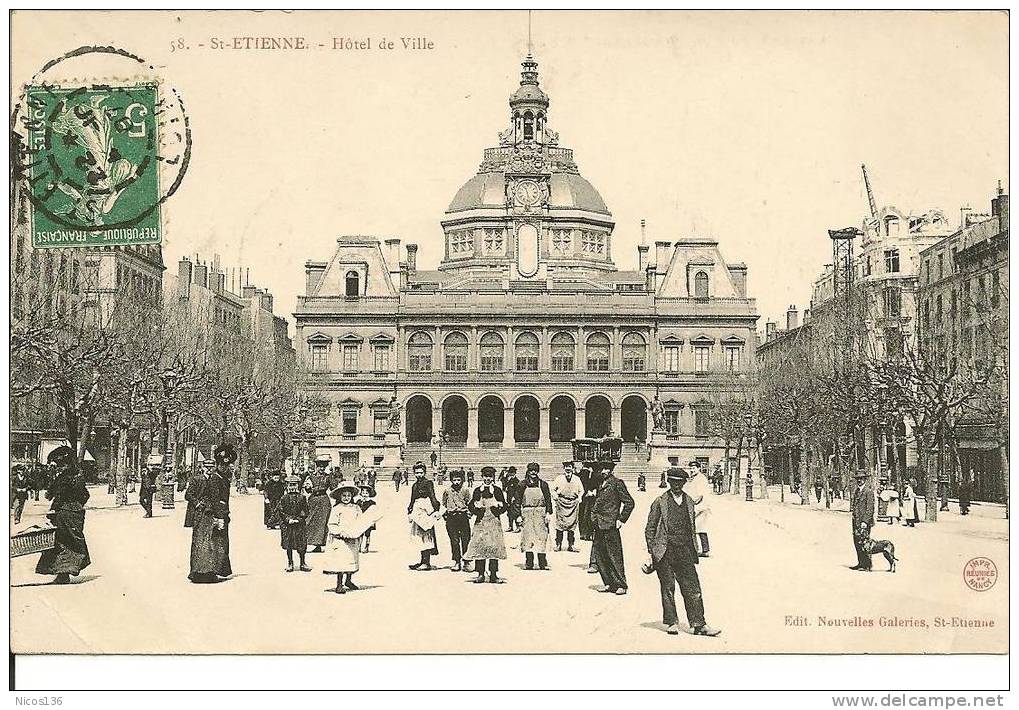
<point>886,548</point>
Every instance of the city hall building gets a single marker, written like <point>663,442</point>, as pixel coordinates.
<point>527,334</point>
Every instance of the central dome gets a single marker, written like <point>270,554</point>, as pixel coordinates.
<point>567,191</point>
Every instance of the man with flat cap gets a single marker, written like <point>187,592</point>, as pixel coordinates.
<point>456,511</point>
<point>210,533</point>
<point>862,506</point>
<point>567,490</point>
<point>488,542</point>
<point>612,507</point>
<point>535,509</point>
<point>670,533</point>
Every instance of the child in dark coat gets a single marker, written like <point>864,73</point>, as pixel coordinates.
<point>292,514</point>
<point>365,501</point>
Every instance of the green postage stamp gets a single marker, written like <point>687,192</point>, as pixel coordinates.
<point>92,165</point>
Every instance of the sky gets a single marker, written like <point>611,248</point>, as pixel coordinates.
<point>749,128</point>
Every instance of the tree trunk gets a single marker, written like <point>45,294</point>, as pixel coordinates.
<point>737,477</point>
<point>120,468</point>
<point>728,468</point>
<point>1004,473</point>
<point>930,477</point>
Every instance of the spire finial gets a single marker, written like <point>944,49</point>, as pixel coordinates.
<point>530,47</point>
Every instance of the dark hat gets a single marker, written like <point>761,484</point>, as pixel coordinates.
<point>365,489</point>
<point>458,473</point>
<point>335,495</point>
<point>224,453</point>
<point>419,466</point>
<point>675,473</point>
<point>571,464</point>
<point>60,455</point>
<point>533,467</point>
<point>603,466</point>
<point>511,469</point>
<point>861,474</point>
<point>488,470</point>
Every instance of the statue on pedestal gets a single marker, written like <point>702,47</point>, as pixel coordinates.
<point>394,415</point>
<point>658,413</point>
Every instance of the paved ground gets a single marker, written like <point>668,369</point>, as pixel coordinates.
<point>770,564</point>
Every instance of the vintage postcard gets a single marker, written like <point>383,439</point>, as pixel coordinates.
<point>509,332</point>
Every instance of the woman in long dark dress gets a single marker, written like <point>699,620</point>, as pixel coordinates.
<point>67,514</point>
<point>210,536</point>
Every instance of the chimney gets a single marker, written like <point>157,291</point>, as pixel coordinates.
<point>738,274</point>
<point>218,281</point>
<point>184,278</point>
<point>267,301</point>
<point>412,258</point>
<point>661,262</point>
<point>806,316</point>
<point>248,291</point>
<point>649,279</point>
<point>201,275</point>
<point>313,273</point>
<point>770,330</point>
<point>392,255</point>
<point>792,318</point>
<point>999,208</point>
<point>964,213</point>
<point>642,248</point>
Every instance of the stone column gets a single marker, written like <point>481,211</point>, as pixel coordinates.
<point>544,427</point>
<point>507,428</point>
<point>581,421</point>
<point>616,421</point>
<point>472,428</point>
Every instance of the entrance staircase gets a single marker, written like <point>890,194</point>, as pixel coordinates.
<point>630,464</point>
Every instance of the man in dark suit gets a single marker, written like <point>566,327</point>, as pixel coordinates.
<point>862,506</point>
<point>670,533</point>
<point>612,508</point>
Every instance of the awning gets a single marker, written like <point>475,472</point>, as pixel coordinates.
<point>48,445</point>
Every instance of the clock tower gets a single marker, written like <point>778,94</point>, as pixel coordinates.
<point>528,213</point>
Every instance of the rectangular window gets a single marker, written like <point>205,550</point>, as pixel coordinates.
<point>597,362</point>
<point>892,302</point>
<point>380,422</point>
<point>701,358</point>
<point>349,358</point>
<point>319,357</point>
<point>420,361</point>
<point>491,363</point>
<point>672,422</point>
<point>941,266</point>
<point>527,363</point>
<point>866,266</point>
<point>701,421</point>
<point>350,421</point>
<point>562,363</point>
<point>456,361</point>
<point>672,358</point>
<point>732,358</point>
<point>380,358</point>
<point>995,288</point>
<point>891,261</point>
<point>349,459</point>
<point>634,364</point>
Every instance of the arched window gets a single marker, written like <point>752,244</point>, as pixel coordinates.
<point>419,352</point>
<point>634,352</point>
<point>455,352</point>
<point>353,284</point>
<point>528,126</point>
<point>598,350</point>
<point>491,352</point>
<point>700,285</point>
<point>527,352</point>
<point>564,350</point>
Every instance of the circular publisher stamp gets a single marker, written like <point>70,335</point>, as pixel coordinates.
<point>980,574</point>
<point>100,142</point>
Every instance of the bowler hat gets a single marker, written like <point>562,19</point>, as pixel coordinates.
<point>224,453</point>
<point>571,464</point>
<point>488,470</point>
<point>458,473</point>
<point>675,473</point>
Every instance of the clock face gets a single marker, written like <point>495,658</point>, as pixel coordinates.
<point>527,193</point>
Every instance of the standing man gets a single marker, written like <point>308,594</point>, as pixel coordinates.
<point>456,510</point>
<point>35,480</point>
<point>434,458</point>
<point>590,482</point>
<point>612,508</point>
<point>488,543</point>
<point>670,533</point>
<point>210,536</point>
<point>862,507</point>
<point>148,486</point>
<point>421,510</point>
<point>696,490</point>
<point>567,491</point>
<point>514,491</point>
<point>470,477</point>
<point>19,491</point>
<point>535,509</point>
<point>397,478</point>
<point>965,492</point>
